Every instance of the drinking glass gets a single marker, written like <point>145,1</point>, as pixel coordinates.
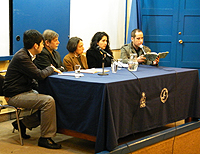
<point>119,61</point>
<point>132,65</point>
<point>132,62</point>
<point>77,69</point>
<point>114,65</point>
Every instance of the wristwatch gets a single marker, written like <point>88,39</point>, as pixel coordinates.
<point>154,63</point>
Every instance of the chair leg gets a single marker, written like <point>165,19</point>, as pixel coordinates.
<point>17,111</point>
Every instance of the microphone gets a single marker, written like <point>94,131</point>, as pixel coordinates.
<point>109,55</point>
<point>141,46</point>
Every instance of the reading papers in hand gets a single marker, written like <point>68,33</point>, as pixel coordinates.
<point>153,55</point>
<point>93,70</point>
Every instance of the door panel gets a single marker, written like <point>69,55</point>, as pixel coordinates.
<point>188,53</point>
<point>164,23</point>
<point>41,15</point>
<point>159,22</point>
<point>160,42</point>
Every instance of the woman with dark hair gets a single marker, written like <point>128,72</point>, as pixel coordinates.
<point>75,57</point>
<point>94,55</point>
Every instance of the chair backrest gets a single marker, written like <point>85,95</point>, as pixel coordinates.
<point>1,84</point>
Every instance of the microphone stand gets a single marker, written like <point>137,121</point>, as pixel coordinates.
<point>103,61</point>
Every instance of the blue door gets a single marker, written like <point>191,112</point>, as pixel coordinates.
<point>173,26</point>
<point>41,15</point>
<point>188,43</point>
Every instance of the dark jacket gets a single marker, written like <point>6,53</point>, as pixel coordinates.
<point>128,48</point>
<point>45,58</point>
<point>21,74</point>
<point>94,59</point>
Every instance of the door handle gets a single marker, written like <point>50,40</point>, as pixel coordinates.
<point>180,41</point>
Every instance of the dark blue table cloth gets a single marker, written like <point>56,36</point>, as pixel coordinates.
<point>108,107</point>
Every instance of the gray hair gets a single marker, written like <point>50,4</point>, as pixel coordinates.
<point>49,35</point>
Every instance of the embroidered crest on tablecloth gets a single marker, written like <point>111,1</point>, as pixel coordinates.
<point>164,95</point>
<point>143,100</point>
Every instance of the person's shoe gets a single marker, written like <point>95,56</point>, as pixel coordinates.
<point>48,143</point>
<point>23,129</point>
<point>195,119</point>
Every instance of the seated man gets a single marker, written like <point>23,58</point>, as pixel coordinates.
<point>49,55</point>
<point>18,90</point>
<point>135,47</point>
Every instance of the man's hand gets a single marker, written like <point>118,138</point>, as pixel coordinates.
<point>56,70</point>
<point>155,62</point>
<point>141,59</point>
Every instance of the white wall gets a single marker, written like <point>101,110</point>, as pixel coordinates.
<point>86,18</point>
<point>4,29</point>
<point>90,16</point>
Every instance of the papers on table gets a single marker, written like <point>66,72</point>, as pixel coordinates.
<point>90,71</point>
<point>120,64</point>
<point>3,71</point>
<point>71,74</point>
<point>93,70</point>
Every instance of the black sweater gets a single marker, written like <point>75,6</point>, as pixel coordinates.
<point>94,59</point>
<point>21,73</point>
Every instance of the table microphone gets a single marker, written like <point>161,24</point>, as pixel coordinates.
<point>109,55</point>
<point>141,46</point>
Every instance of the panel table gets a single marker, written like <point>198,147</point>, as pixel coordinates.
<point>114,106</point>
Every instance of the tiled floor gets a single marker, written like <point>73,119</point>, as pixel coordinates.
<point>9,143</point>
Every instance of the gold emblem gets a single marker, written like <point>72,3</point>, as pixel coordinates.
<point>143,100</point>
<point>164,95</point>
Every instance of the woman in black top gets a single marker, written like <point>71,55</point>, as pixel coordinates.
<point>94,55</point>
